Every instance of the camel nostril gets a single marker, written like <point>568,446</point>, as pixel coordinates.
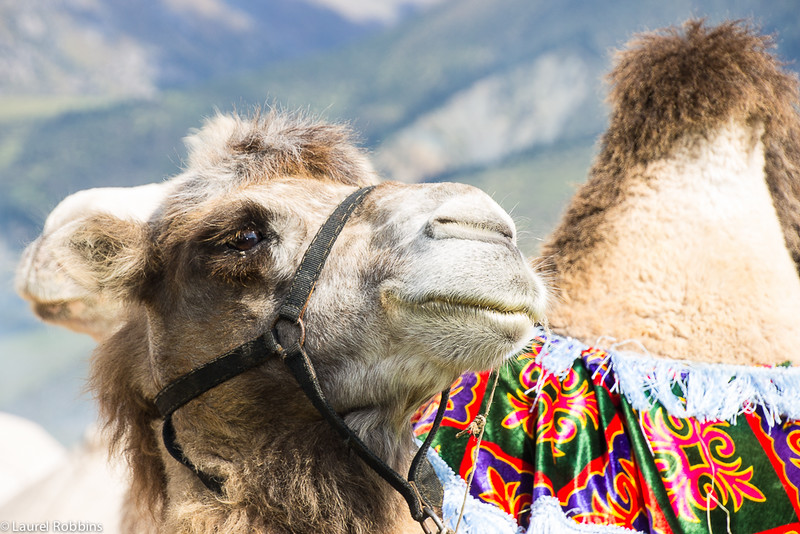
<point>470,214</point>
<point>472,228</point>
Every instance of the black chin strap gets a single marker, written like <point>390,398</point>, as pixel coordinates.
<point>422,491</point>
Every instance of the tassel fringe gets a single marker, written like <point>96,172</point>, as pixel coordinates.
<point>548,518</point>
<point>686,389</point>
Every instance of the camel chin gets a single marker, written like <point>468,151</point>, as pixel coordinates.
<point>474,324</point>
<point>491,334</point>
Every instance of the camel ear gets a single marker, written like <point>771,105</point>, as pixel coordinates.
<point>109,255</point>
<point>58,274</point>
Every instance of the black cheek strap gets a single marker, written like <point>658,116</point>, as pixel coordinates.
<point>198,381</point>
<point>422,491</point>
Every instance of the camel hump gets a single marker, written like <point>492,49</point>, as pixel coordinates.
<point>689,79</point>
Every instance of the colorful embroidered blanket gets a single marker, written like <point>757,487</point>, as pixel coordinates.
<point>586,440</point>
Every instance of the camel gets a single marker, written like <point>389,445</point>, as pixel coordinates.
<point>423,283</point>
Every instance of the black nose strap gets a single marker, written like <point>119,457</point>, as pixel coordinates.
<point>418,494</point>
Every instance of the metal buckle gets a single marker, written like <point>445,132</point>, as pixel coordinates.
<point>440,526</point>
<point>301,336</point>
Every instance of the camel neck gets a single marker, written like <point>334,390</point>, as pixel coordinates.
<point>694,263</point>
<point>298,478</point>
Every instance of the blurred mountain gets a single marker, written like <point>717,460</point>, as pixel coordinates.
<point>124,48</point>
<point>384,11</point>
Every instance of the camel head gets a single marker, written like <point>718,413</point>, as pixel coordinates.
<point>423,283</point>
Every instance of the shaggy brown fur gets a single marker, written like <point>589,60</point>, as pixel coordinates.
<point>679,82</point>
<point>131,419</point>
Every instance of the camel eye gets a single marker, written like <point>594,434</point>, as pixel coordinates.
<point>246,240</point>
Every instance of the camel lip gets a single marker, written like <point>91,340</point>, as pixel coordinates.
<point>451,304</point>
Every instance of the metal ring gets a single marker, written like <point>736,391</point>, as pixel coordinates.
<point>301,337</point>
<point>440,527</point>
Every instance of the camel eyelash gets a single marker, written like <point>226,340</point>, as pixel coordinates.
<point>235,244</point>
<point>247,230</point>
<point>237,257</point>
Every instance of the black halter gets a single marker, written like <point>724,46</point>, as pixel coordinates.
<point>422,491</point>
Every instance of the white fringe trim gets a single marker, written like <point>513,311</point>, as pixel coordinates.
<point>479,517</point>
<point>708,391</point>
<point>484,518</point>
<point>548,518</point>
